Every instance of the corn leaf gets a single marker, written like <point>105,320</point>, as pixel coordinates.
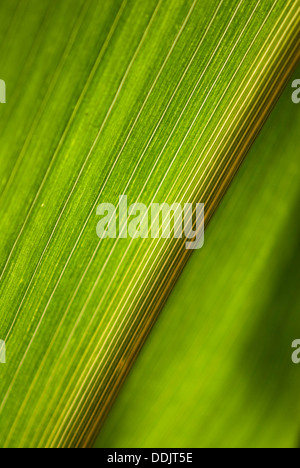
<point>157,100</point>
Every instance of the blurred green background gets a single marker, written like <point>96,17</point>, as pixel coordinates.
<point>216,370</point>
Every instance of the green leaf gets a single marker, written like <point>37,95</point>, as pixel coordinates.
<point>217,369</point>
<point>158,100</point>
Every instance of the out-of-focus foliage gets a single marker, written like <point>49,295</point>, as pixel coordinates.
<point>217,369</point>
